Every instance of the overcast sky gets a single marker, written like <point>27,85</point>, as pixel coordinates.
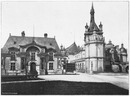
<point>64,20</point>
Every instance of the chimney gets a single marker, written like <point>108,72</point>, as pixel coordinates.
<point>45,35</point>
<point>23,34</point>
<point>122,45</point>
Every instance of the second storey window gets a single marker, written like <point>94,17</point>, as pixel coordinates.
<point>13,56</point>
<point>50,56</point>
<point>32,55</point>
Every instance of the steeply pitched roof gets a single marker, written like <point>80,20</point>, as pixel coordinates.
<point>72,49</point>
<point>93,26</point>
<point>16,41</point>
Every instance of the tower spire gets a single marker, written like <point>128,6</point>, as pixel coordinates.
<point>92,20</point>
<point>92,10</point>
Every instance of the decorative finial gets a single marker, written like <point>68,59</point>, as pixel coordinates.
<point>86,26</point>
<point>61,46</point>
<point>100,26</point>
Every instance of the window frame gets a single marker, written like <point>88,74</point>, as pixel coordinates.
<point>12,67</point>
<point>33,57</point>
<point>13,57</point>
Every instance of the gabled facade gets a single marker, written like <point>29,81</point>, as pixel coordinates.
<point>25,55</point>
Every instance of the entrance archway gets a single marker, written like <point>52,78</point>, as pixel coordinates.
<point>33,68</point>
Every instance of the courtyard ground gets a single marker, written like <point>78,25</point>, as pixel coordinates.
<point>79,84</point>
<point>118,79</point>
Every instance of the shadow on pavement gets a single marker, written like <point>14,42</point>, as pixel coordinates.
<point>61,88</point>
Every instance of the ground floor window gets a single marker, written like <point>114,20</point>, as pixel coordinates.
<point>12,66</point>
<point>22,63</point>
<point>50,66</point>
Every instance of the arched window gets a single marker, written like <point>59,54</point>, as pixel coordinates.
<point>32,55</point>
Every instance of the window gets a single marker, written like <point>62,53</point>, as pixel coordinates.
<point>12,66</point>
<point>50,66</point>
<point>51,56</point>
<point>42,62</point>
<point>13,56</point>
<point>22,62</point>
<point>33,56</point>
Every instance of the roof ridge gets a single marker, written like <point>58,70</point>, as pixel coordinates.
<point>71,45</point>
<point>31,37</point>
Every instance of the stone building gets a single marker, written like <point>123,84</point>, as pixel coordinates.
<point>96,55</point>
<point>94,45</point>
<point>23,55</point>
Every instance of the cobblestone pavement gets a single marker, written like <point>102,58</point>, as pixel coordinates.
<point>118,79</point>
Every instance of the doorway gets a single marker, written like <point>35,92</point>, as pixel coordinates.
<point>33,68</point>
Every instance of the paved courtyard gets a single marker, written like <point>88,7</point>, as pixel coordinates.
<point>78,84</point>
<point>118,79</point>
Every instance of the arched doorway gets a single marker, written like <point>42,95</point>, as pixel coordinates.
<point>33,68</point>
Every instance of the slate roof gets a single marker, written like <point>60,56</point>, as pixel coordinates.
<point>16,41</point>
<point>73,49</point>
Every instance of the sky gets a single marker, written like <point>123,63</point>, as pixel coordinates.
<point>64,20</point>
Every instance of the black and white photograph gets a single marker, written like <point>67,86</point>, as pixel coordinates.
<point>64,47</point>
